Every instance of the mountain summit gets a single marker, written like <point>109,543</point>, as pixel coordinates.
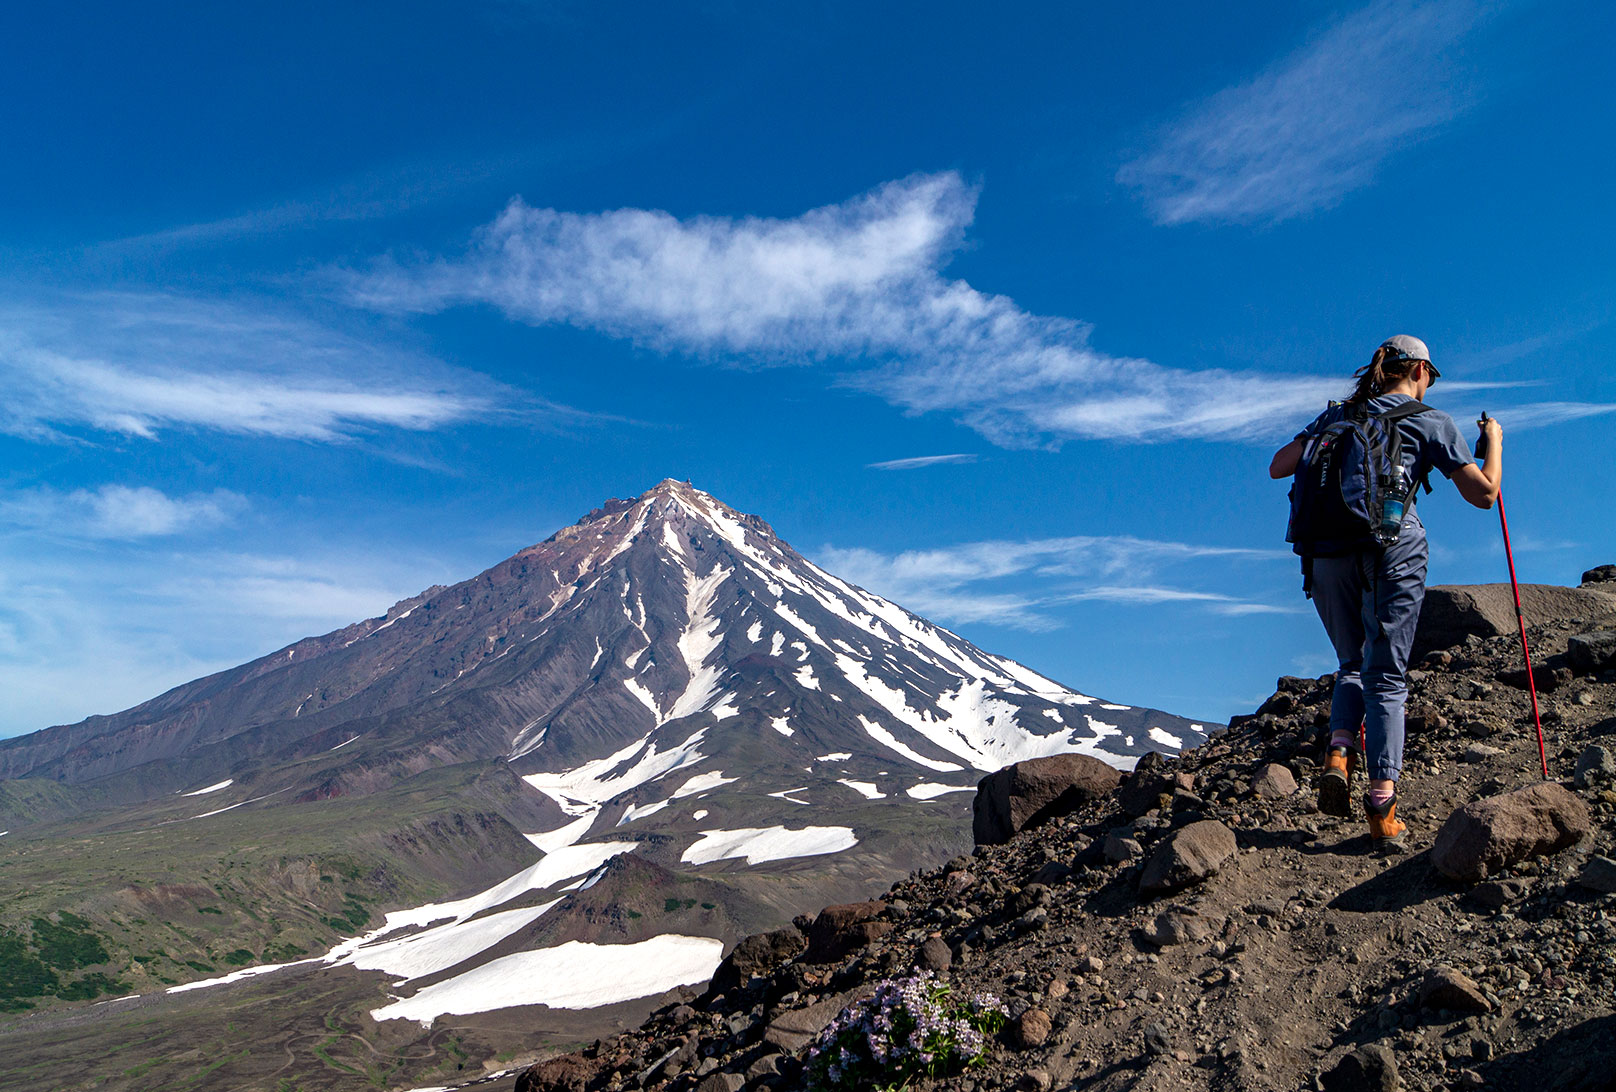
<point>567,785</point>
<point>654,627</point>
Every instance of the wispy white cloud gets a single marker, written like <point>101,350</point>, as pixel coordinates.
<point>118,511</point>
<point>858,285</point>
<point>968,582</point>
<point>1543,414</point>
<point>1150,595</point>
<point>138,364</point>
<point>916,462</point>
<point>1317,124</point>
<point>149,618</point>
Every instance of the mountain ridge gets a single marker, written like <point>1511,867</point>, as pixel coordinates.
<point>605,758</point>
<point>308,689</point>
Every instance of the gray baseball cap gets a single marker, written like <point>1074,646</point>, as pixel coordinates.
<point>1404,347</point>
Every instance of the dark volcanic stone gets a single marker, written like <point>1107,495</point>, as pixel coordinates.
<point>1030,1029</point>
<point>934,955</point>
<point>1599,874</point>
<point>1590,652</point>
<point>1600,574</point>
<point>756,954</point>
<point>1446,988</point>
<point>791,1031</point>
<point>840,930</point>
<point>1152,778</point>
<point>1370,1068</point>
<point>1594,758</point>
<point>1188,856</point>
<point>1485,836</point>
<point>568,1073</point>
<point>1273,781</point>
<point>1032,792</point>
<point>1180,925</point>
<point>1157,1040</point>
<point>1453,612</point>
<point>1547,678</point>
<point>1497,894</point>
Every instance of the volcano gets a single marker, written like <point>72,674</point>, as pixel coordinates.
<point>566,783</point>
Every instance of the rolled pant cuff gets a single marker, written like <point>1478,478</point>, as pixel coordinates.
<point>1384,773</point>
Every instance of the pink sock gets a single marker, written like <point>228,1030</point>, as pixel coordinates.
<point>1343,738</point>
<point>1377,797</point>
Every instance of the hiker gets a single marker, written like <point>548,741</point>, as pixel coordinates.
<point>1366,577</point>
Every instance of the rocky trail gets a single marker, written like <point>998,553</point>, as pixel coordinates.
<point>1198,924</point>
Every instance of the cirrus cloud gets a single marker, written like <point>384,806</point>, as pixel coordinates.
<point>138,364</point>
<point>859,286</point>
<point>1317,124</point>
<point>118,511</point>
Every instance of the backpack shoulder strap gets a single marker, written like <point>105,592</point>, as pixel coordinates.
<point>1396,413</point>
<point>1403,409</point>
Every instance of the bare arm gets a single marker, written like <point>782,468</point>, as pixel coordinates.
<point>1480,484</point>
<point>1285,460</point>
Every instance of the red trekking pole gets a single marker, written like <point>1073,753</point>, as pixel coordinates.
<point>1520,618</point>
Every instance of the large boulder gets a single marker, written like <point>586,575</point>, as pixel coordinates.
<point>1189,855</point>
<point>1273,782</point>
<point>791,1031</point>
<point>756,954</point>
<point>841,930</point>
<point>1453,612</point>
<point>1485,836</point>
<point>1035,791</point>
<point>1590,652</point>
<point>1152,778</point>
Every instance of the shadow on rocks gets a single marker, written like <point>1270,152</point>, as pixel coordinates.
<point>1303,840</point>
<point>1404,885</point>
<point>1578,1059</point>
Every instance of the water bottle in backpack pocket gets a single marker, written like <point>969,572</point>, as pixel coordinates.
<point>1352,489</point>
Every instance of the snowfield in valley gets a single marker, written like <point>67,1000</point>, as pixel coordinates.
<point>574,975</point>
<point>759,844</point>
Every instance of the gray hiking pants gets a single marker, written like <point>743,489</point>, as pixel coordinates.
<point>1369,602</point>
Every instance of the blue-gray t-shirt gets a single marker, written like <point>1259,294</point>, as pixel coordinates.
<point>1431,440</point>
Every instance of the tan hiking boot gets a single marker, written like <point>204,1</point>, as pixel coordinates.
<point>1387,833</point>
<point>1335,784</point>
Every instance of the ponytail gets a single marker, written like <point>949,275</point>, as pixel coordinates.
<point>1383,370</point>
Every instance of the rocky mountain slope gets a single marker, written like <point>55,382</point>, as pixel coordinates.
<point>1203,926</point>
<point>644,623</point>
<point>601,761</point>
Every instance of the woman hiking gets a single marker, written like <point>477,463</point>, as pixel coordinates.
<point>1368,591</point>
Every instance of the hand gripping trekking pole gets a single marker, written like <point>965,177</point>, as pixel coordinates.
<point>1520,618</point>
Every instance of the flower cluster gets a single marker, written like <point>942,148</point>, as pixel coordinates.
<point>909,1028</point>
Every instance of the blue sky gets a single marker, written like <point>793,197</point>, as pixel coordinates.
<point>999,313</point>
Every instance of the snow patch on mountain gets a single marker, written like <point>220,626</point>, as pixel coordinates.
<point>634,811</point>
<point>891,742</point>
<point>586,788</point>
<point>1166,738</point>
<point>760,844</point>
<point>930,790</point>
<point>574,975</point>
<point>702,783</point>
<point>438,949</point>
